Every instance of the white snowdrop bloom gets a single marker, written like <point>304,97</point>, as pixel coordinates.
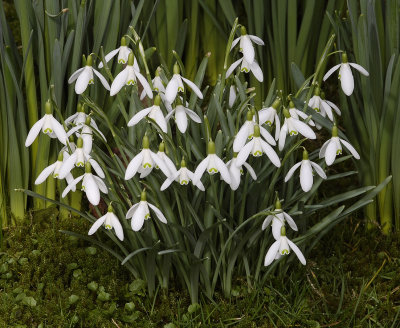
<point>269,115</point>
<point>213,164</point>
<point>128,77</point>
<point>49,125</point>
<point>84,77</point>
<point>110,221</point>
<point>167,161</point>
<point>306,172</point>
<point>293,126</point>
<point>154,112</point>
<point>296,113</point>
<point>69,148</point>
<point>278,220</point>
<point>91,185</point>
<point>232,95</point>
<point>78,118</point>
<point>257,147</point>
<point>345,74</point>
<point>322,106</point>
<point>158,86</point>
<point>146,159</point>
<point>281,247</point>
<point>245,44</point>
<point>175,85</point>
<point>181,116</point>
<point>246,67</point>
<point>79,158</point>
<point>123,53</point>
<point>183,176</point>
<point>237,171</point>
<point>140,212</point>
<point>333,147</point>
<point>246,132</point>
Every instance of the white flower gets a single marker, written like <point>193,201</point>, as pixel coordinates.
<point>322,106</point>
<point>164,158</point>
<point>79,158</point>
<point>84,77</point>
<point>78,118</point>
<point>281,247</point>
<point>175,85</point>
<point>49,125</point>
<point>345,74</point>
<point>246,67</point>
<point>257,147</point>
<point>246,46</point>
<point>110,221</point>
<point>232,95</point>
<point>140,212</point>
<point>154,112</point>
<point>213,164</point>
<point>236,171</point>
<point>294,126</point>
<point>123,52</point>
<point>246,132</point>
<point>306,172</point>
<point>128,77</point>
<point>333,147</point>
<point>183,176</point>
<point>158,86</point>
<point>91,185</point>
<point>146,159</point>
<point>269,115</point>
<point>181,114</point>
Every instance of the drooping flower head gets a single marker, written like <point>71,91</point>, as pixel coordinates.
<point>123,53</point>
<point>183,176</point>
<point>245,44</point>
<point>110,221</point>
<point>181,116</point>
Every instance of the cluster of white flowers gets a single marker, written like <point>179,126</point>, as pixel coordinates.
<point>254,137</point>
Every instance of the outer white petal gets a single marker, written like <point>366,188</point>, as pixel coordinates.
<point>170,165</point>
<point>346,79</point>
<point>159,214</point>
<point>92,190</point>
<point>256,70</point>
<point>250,170</point>
<point>163,167</point>
<point>72,185</point>
<point>59,131</point>
<point>248,49</point>
<point>133,166</point>
<point>181,119</point>
<point>198,173</point>
<point>75,75</point>
<point>277,223</point>
<point>108,57</point>
<point>119,82</point>
<point>232,95</point>
<point>241,137</point>
<point>70,179</point>
<point>323,149</point>
<point>330,153</point>
<point>223,170</point>
<point>290,221</point>
<point>244,153</point>
<point>327,109</point>
<point>329,73</point>
<point>145,84</point>
<point>87,143</point>
<point>336,108</point>
<point>97,225</point>
<point>277,127</point>
<point>169,180</point>
<point>235,42</point>
<point>282,136</point>
<point>83,80</point>
<point>171,89</point>
<point>306,177</point>
<point>270,152</point>
<point>71,118</point>
<point>267,136</point>
<point>193,115</point>
<point>194,87</point>
<point>350,148</point>
<point>157,115</point>
<point>273,250</point>
<point>132,210</point>
<point>267,222</point>
<point>232,67</point>
<point>74,130</point>
<point>256,39</point>
<point>117,227</point>
<point>67,166</point>
<point>102,80</point>
<point>359,68</point>
<point>304,129</point>
<point>33,132</point>
<point>45,173</point>
<point>319,170</point>
<point>297,251</point>
<point>102,186</point>
<point>291,171</point>
<point>139,116</point>
<point>138,217</point>
<point>235,176</point>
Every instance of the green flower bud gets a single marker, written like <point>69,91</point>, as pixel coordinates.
<point>89,61</point>
<point>143,196</point>
<point>305,155</point>
<point>176,68</point>
<point>243,30</point>
<point>79,143</point>
<point>283,231</point>
<point>157,100</point>
<point>145,142</point>
<point>88,167</point>
<point>211,148</point>
<point>123,42</point>
<point>256,131</point>
<point>131,59</point>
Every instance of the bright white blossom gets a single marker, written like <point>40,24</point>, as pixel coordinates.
<point>246,67</point>
<point>232,95</point>
<point>322,106</point>
<point>140,212</point>
<point>269,115</point>
<point>84,77</point>
<point>158,86</point>
<point>183,176</point>
<point>345,74</point>
<point>123,53</point>
<point>181,116</point>
<point>164,157</point>
<point>237,171</point>
<point>278,220</point>
<point>245,44</point>
<point>110,221</point>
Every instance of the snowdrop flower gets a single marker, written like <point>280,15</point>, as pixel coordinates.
<point>110,221</point>
<point>70,147</point>
<point>158,86</point>
<point>91,185</point>
<point>213,164</point>
<point>128,77</point>
<point>123,52</point>
<point>246,67</point>
<point>293,126</point>
<point>322,106</point>
<point>246,46</point>
<point>269,115</point>
<point>278,221</point>
<point>175,85</point>
<point>236,171</point>
<point>296,113</point>
<point>164,157</point>
<point>257,147</point>
<point>333,147</point>
<point>154,112</point>
<point>140,212</point>
<point>246,132</point>
<point>54,169</point>
<point>79,117</point>
<point>146,159</point>
<point>282,246</point>
<point>345,74</point>
<point>84,77</point>
<point>232,95</point>
<point>181,116</point>
<point>79,158</point>
<point>183,176</point>
<point>49,125</point>
<point>306,172</point>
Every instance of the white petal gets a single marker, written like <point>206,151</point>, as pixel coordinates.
<point>250,170</point>
<point>282,136</point>
<point>119,82</point>
<point>59,131</point>
<point>198,173</point>
<point>232,95</point>
<point>33,132</point>
<point>346,79</point>
<point>277,223</point>
<point>232,67</point>
<point>139,116</point>
<point>170,165</point>
<point>330,153</point>
<point>306,177</point>
<point>132,210</point>
<point>323,149</point>
<point>157,115</point>
<point>291,171</point>
<point>194,87</point>
<point>270,152</point>
<point>223,170</point>
<point>235,42</point>
<point>87,143</point>
<point>290,221</point>
<point>267,136</point>
<point>133,166</point>
<point>100,183</point>
<point>273,250</point>
<point>108,57</point>
<point>181,119</point>
<point>359,68</point>
<point>267,222</point>
<point>97,225</point>
<point>171,90</point>
<point>319,170</point>
<point>235,176</point>
<point>248,49</point>
<point>304,129</point>
<point>241,137</point>
<point>168,181</point>
<point>327,109</point>
<point>297,251</point>
<point>163,167</point>
<point>329,73</point>
<point>92,190</point>
<point>75,75</point>
<point>83,80</point>
<point>145,84</point>
<point>117,227</point>
<point>138,217</point>
<point>160,216</point>
<point>45,173</point>
<point>72,185</point>
<point>336,108</point>
<point>350,148</point>
<point>71,118</point>
<point>67,166</point>
<point>193,115</point>
<point>244,153</point>
<point>102,80</point>
<point>74,130</point>
<point>277,127</point>
<point>256,70</point>
<point>256,40</point>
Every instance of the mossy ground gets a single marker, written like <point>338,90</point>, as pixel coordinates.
<point>49,279</point>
